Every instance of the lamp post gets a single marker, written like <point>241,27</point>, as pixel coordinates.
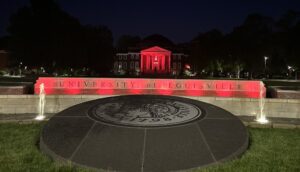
<point>266,58</point>
<point>20,68</point>
<point>291,69</point>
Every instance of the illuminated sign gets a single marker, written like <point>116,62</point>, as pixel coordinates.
<point>180,87</point>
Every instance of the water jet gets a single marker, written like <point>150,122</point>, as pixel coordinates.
<point>42,102</point>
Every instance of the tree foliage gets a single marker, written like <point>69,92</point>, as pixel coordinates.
<point>127,41</point>
<point>43,34</point>
<point>248,43</point>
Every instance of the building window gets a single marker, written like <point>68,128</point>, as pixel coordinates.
<point>125,57</point>
<point>116,64</point>
<point>120,57</point>
<point>125,65</point>
<point>136,65</point>
<point>137,56</point>
<point>131,65</point>
<point>179,57</point>
<point>179,66</point>
<point>174,66</point>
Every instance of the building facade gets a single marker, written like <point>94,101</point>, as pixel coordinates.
<point>153,60</point>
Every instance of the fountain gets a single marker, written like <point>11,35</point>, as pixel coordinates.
<point>261,117</point>
<point>42,102</point>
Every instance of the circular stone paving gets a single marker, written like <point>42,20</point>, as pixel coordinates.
<point>144,113</point>
<point>144,133</point>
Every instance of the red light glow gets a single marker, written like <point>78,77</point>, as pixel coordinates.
<point>224,88</point>
<point>118,86</point>
<point>155,60</point>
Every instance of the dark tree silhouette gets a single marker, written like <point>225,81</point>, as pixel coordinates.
<point>127,41</point>
<point>156,39</point>
<point>289,38</point>
<point>206,47</point>
<point>43,34</point>
<point>248,41</point>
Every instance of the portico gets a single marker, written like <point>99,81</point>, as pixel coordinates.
<point>155,60</point>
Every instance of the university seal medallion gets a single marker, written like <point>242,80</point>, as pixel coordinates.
<point>145,112</point>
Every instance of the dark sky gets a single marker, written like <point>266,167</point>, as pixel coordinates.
<point>179,20</point>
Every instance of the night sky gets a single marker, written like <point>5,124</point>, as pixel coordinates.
<point>179,20</point>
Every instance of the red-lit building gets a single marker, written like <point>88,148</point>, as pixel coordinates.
<point>153,60</point>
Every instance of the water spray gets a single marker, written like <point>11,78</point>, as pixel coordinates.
<point>42,102</point>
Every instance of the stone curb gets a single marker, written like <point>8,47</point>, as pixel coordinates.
<point>27,121</point>
<point>271,125</point>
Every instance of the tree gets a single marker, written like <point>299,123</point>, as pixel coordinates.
<point>127,41</point>
<point>206,47</point>
<point>156,39</point>
<point>288,20</point>
<point>97,48</point>
<point>238,67</point>
<point>250,41</point>
<point>43,34</point>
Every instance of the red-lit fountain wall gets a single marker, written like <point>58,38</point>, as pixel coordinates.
<point>179,87</point>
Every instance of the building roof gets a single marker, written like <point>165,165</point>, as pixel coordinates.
<point>155,49</point>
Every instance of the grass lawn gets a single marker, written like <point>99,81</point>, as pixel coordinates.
<point>270,150</point>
